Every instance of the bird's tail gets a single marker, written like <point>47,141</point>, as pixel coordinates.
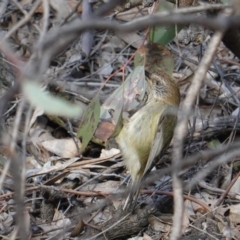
<point>131,200</point>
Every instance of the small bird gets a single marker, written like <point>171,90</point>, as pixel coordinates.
<point>148,132</point>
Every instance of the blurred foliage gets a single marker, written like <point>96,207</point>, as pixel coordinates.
<point>213,144</point>
<point>48,103</point>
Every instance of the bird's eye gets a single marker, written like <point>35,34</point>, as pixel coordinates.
<point>158,83</point>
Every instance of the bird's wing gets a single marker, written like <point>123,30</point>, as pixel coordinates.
<point>163,136</point>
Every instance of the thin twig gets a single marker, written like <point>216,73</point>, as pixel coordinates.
<point>225,193</point>
<point>17,166</point>
<point>26,19</point>
<point>4,173</point>
<point>71,13</point>
<point>20,7</point>
<point>200,230</point>
<point>113,225</point>
<point>45,20</point>
<point>181,131</point>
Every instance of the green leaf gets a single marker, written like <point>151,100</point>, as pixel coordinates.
<point>50,104</point>
<point>89,122</point>
<point>164,34</point>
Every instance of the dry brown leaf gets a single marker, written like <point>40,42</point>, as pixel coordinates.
<point>133,39</point>
<point>6,221</point>
<point>189,208</point>
<point>65,148</point>
<point>146,237</point>
<point>73,3</point>
<point>185,222</point>
<point>32,163</point>
<point>159,225</point>
<point>205,198</point>
<point>109,153</point>
<point>37,112</point>
<point>236,187</point>
<point>104,131</point>
<point>60,222</point>
<point>132,13</point>
<point>24,2</point>
<point>79,227</point>
<point>47,168</point>
<point>234,213</point>
<point>61,7</point>
<point>135,238</point>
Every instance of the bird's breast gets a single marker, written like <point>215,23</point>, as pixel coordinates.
<point>142,127</point>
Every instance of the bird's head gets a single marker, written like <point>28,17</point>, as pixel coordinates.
<point>163,88</point>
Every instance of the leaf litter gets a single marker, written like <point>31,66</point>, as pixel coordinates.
<point>63,186</point>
